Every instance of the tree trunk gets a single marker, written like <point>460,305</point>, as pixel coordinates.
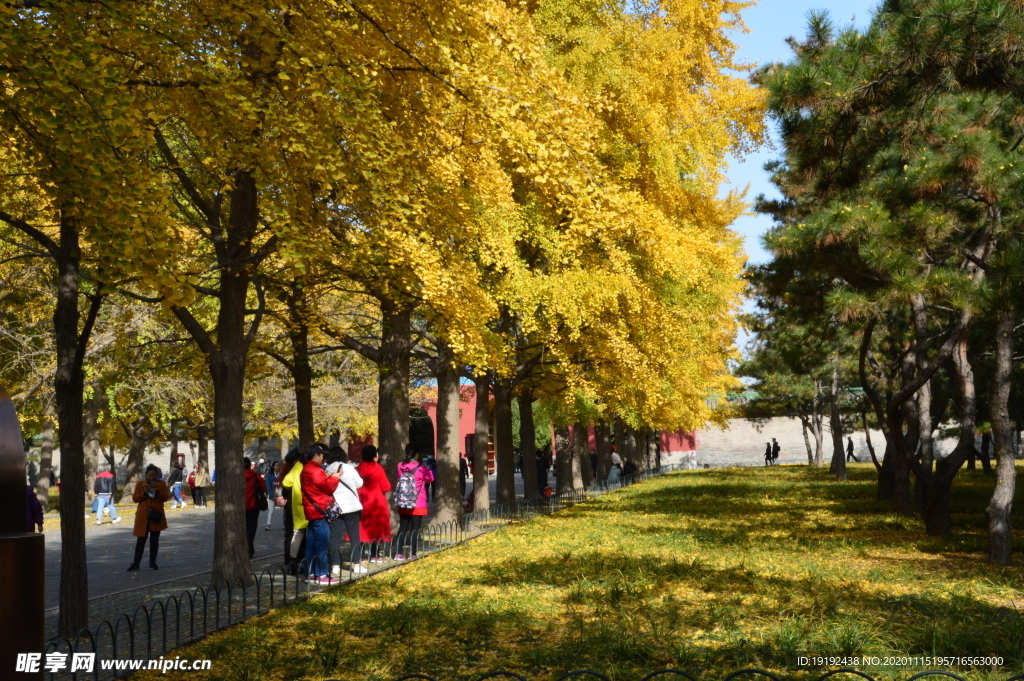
<point>393,370</point>
<point>838,467</point>
<point>227,364</point>
<point>137,443</point>
<point>68,384</point>
<point>448,501</point>
<point>886,489</point>
<point>302,373</point>
<point>986,461</point>
<point>504,457</point>
<point>630,442</point>
<point>173,436</point>
<point>46,458</point>
<point>528,445</point>
<point>604,449</point>
<point>563,460</point>
<point>481,493</point>
<point>202,442</point>
<point>1000,539</point>
<point>654,448</point>
<point>581,456</point>
<point>816,422</point>
<point>91,438</point>
<point>805,428</point>
<point>620,439</point>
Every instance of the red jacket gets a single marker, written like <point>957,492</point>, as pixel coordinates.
<point>251,481</point>
<point>318,488</point>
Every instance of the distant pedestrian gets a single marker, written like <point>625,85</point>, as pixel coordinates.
<point>192,485</point>
<point>202,482</point>
<point>273,483</point>
<point>411,500</point>
<point>295,522</point>
<point>767,453</point>
<point>775,451</point>
<point>542,471</point>
<point>615,473</point>
<point>346,526</point>
<point>375,521</point>
<point>105,487</point>
<point>629,468</point>
<point>254,485</point>
<point>463,474</point>
<point>174,482</point>
<point>593,462</point>
<point>33,511</point>
<point>150,519</point>
<point>317,496</point>
<point>849,449</point>
<point>431,463</point>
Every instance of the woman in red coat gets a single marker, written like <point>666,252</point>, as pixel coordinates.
<point>375,523</point>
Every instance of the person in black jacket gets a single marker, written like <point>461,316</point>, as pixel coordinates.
<point>105,488</point>
<point>174,481</point>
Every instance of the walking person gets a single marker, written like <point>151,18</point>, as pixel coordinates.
<point>375,521</point>
<point>273,483</point>
<point>202,482</point>
<point>255,498</point>
<point>542,470</point>
<point>767,453</point>
<point>775,452</point>
<point>174,481</point>
<point>346,496</point>
<point>317,496</point>
<point>295,522</point>
<point>411,501</point>
<point>849,450</point>
<point>105,487</point>
<point>150,519</point>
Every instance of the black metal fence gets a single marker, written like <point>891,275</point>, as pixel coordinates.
<point>150,632</point>
<point>588,673</point>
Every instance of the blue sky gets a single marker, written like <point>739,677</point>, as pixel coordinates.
<point>770,22</point>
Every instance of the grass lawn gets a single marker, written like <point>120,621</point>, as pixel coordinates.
<point>706,571</point>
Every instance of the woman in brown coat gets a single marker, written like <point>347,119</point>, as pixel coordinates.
<point>150,519</point>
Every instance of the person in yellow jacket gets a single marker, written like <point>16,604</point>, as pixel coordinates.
<point>294,516</point>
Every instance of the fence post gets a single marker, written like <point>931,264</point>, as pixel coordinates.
<point>21,552</point>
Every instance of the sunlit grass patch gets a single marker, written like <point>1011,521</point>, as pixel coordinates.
<point>707,571</point>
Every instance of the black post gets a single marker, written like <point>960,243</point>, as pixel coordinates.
<point>21,554</point>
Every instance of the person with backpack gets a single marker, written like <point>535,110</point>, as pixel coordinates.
<point>347,524</point>
<point>375,521</point>
<point>411,501</point>
<point>775,452</point>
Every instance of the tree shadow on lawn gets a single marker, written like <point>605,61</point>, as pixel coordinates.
<point>618,613</point>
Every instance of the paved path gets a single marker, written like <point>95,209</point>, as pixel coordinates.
<point>186,548</point>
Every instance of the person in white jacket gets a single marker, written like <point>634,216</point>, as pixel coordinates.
<point>347,499</point>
